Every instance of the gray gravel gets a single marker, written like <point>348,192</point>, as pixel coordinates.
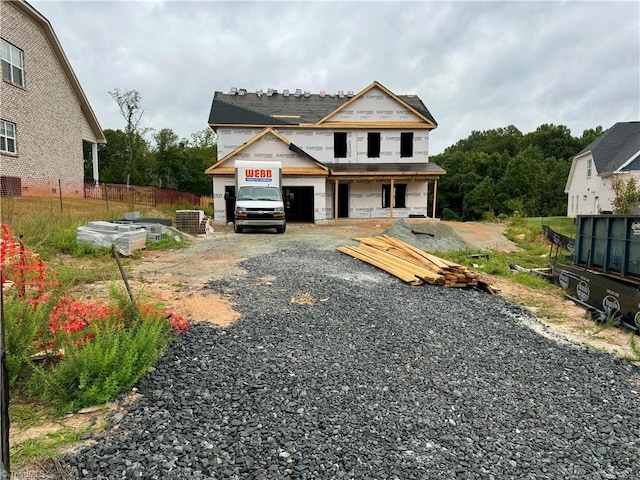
<point>376,380</point>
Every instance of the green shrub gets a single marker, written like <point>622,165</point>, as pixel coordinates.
<point>99,370</point>
<point>24,325</point>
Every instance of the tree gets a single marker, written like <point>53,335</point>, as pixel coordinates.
<point>626,193</point>
<point>131,109</point>
<point>589,136</point>
<point>523,180</point>
<point>553,141</point>
<point>480,200</point>
<point>114,159</point>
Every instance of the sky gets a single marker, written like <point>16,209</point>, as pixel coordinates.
<point>475,65</point>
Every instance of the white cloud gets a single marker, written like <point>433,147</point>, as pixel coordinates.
<point>476,65</point>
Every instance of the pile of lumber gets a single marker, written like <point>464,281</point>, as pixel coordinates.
<point>412,265</point>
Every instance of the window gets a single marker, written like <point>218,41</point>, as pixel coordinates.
<point>406,144</point>
<point>373,145</point>
<point>340,144</point>
<point>7,137</point>
<point>12,64</point>
<point>589,168</point>
<point>399,194</point>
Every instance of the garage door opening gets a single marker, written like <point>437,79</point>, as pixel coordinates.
<point>300,209</point>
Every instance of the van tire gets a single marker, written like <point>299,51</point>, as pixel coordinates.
<point>281,229</point>
<point>237,228</point>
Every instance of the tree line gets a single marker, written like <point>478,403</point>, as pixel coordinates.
<point>504,172</point>
<point>141,156</point>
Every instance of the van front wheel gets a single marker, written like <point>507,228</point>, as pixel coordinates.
<point>281,229</point>
<point>237,228</point>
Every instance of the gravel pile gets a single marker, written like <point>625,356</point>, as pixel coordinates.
<point>337,370</point>
<point>429,236</point>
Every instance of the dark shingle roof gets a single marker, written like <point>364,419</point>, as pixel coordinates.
<point>251,109</point>
<point>338,168</point>
<point>615,146</point>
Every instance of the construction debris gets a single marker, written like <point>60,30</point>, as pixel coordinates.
<point>125,237</point>
<point>194,222</point>
<point>412,265</point>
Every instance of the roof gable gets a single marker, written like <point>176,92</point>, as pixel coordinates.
<point>276,109</point>
<point>282,149</point>
<point>616,148</point>
<point>376,103</point>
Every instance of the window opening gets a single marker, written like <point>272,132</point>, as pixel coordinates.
<point>340,144</point>
<point>406,144</point>
<point>373,145</point>
<point>399,195</point>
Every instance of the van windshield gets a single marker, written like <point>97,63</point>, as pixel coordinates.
<point>259,193</point>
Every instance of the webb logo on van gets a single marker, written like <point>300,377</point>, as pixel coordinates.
<point>258,175</point>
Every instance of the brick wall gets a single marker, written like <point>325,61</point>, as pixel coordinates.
<point>47,113</point>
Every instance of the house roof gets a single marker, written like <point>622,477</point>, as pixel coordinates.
<point>385,168</point>
<point>617,147</point>
<point>295,109</point>
<point>39,19</point>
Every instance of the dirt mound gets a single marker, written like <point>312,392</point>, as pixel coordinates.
<point>446,236</point>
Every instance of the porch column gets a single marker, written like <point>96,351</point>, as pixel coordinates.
<point>392,199</point>
<point>94,158</point>
<point>335,200</point>
<point>435,192</point>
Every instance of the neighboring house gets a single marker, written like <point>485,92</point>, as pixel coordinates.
<point>44,114</point>
<point>363,155</point>
<point>615,152</point>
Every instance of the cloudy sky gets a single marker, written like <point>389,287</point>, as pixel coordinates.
<point>476,65</point>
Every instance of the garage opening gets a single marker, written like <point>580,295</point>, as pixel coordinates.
<point>300,209</point>
<point>230,201</point>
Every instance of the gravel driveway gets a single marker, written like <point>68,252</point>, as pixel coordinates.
<point>337,370</point>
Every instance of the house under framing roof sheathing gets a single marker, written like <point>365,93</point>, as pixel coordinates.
<point>363,155</point>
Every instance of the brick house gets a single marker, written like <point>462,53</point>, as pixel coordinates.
<point>363,155</point>
<point>615,153</point>
<point>45,117</point>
